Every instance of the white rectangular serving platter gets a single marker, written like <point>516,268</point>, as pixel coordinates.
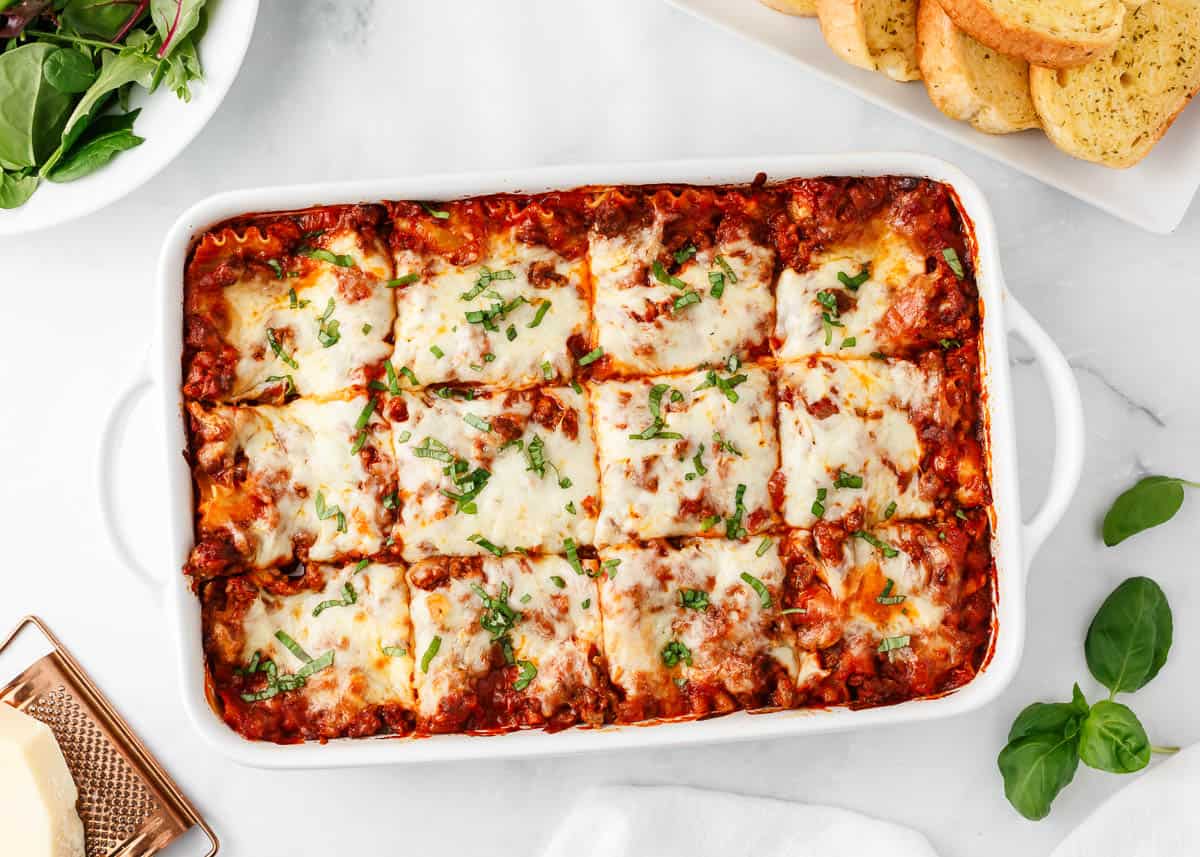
<point>1014,541</point>
<point>1154,194</point>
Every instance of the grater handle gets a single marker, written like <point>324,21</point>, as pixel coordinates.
<point>110,436</point>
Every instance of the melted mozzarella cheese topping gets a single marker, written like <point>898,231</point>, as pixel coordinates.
<point>645,486</point>
<point>799,324</point>
<point>432,313</point>
<point>639,328</point>
<point>295,452</point>
<point>518,506</point>
<point>362,308</point>
<point>358,634</point>
<point>852,417</point>
<point>644,614</point>
<point>556,633</point>
<point>915,604</point>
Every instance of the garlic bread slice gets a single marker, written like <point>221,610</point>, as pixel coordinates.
<point>880,35</point>
<point>1052,33</point>
<point>969,81</point>
<point>1115,109</point>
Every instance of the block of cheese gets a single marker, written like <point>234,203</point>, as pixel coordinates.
<point>37,794</point>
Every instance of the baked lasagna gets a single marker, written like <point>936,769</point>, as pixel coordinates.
<point>605,455</point>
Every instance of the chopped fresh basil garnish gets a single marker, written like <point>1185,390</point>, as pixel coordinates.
<point>342,261</point>
<point>876,542</point>
<point>675,652</point>
<point>847,480</point>
<point>660,274</point>
<point>527,673</point>
<point>543,308</point>
<point>764,594</point>
<point>278,349</point>
<point>591,357</point>
<point>477,422</point>
<point>951,257</point>
<point>430,653</point>
<point>855,282</point>
<point>818,506</point>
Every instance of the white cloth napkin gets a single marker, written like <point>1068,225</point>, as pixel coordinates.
<point>673,821</point>
<point>1157,815</point>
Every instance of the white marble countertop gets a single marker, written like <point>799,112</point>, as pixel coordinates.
<point>354,90</point>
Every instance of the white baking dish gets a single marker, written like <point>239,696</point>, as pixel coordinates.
<point>1015,542</point>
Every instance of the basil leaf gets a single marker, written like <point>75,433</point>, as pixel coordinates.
<point>1035,769</point>
<point>93,154</point>
<point>1152,501</point>
<point>1112,739</point>
<point>1130,636</point>
<point>34,112</point>
<point>758,586</point>
<point>69,70</point>
<point>1057,718</point>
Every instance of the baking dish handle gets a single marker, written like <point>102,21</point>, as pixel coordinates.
<point>1068,425</point>
<point>110,436</point>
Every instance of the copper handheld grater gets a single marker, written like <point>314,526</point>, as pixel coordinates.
<point>130,807</point>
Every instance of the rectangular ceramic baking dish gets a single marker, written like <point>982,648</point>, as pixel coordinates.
<point>1014,541</point>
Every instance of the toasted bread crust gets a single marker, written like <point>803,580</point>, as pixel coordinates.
<point>978,18</point>
<point>846,25</point>
<point>806,8</point>
<point>952,64</point>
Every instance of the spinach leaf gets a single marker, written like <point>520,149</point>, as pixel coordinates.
<point>1112,739</point>
<point>106,19</point>
<point>1152,501</point>
<point>16,188</point>
<point>1058,718</point>
<point>129,66</point>
<point>1035,769</point>
<point>1130,636</point>
<point>174,20</point>
<point>32,112</point>
<point>69,70</point>
<point>94,152</point>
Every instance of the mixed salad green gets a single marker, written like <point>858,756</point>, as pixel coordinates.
<point>66,71</point>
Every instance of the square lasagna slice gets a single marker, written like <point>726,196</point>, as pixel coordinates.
<point>893,281</point>
<point>276,483</point>
<point>697,629</point>
<point>487,302</point>
<point>494,472</point>
<point>897,611</point>
<point>686,455</point>
<point>851,442</point>
<point>680,279</point>
<point>291,305</point>
<point>505,643</point>
<point>322,656</point>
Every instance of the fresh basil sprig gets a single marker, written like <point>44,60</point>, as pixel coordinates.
<point>1152,501</point>
<point>1126,646</point>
